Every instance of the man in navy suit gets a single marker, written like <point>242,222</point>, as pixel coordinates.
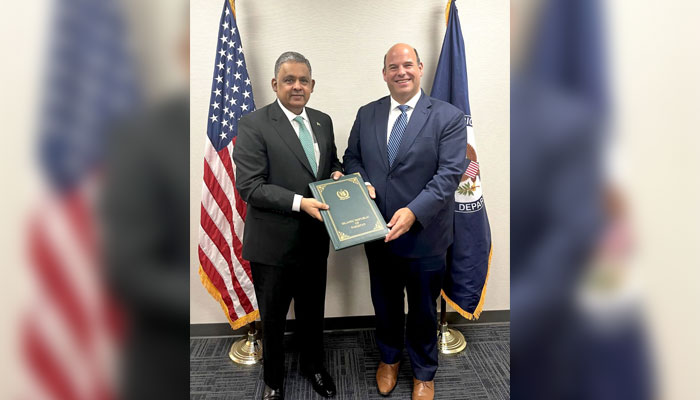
<point>410,150</point>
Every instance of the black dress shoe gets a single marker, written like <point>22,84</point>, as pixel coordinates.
<point>321,382</point>
<point>272,394</point>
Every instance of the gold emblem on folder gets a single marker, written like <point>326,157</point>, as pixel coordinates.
<point>343,194</point>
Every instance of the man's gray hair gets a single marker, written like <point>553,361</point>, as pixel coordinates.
<point>291,56</point>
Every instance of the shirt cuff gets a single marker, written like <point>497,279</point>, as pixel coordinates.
<point>296,204</point>
<point>368,184</point>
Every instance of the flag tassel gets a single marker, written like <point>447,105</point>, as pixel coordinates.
<point>479,307</point>
<point>249,318</point>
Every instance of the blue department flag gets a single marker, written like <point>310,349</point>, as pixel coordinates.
<point>469,258</point>
<point>223,271</point>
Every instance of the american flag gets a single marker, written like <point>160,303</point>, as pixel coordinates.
<point>72,333</point>
<point>472,169</point>
<point>223,271</point>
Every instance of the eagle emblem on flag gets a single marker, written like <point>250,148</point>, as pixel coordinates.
<point>468,189</point>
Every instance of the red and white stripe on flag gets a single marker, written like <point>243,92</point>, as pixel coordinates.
<point>73,334</point>
<point>224,272</point>
<point>472,169</point>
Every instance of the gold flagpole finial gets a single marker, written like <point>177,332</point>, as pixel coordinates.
<point>447,12</point>
<point>233,7</point>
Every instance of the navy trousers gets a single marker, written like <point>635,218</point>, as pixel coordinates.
<point>422,280</point>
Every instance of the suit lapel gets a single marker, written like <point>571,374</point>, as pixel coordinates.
<point>381,119</point>
<point>289,137</point>
<point>415,125</point>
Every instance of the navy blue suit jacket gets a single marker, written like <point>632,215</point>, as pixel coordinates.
<point>425,173</point>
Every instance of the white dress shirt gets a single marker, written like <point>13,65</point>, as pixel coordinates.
<point>394,113</point>
<point>296,205</point>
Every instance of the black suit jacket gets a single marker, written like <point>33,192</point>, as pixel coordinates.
<point>271,168</point>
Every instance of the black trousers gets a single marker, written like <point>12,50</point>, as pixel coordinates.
<point>421,278</point>
<point>275,287</point>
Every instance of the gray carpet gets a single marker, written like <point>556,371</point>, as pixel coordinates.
<point>482,371</point>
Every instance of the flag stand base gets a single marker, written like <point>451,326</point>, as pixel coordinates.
<point>247,351</point>
<point>450,341</point>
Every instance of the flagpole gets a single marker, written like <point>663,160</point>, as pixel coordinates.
<point>450,341</point>
<point>247,351</point>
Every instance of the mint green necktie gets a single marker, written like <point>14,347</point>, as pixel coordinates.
<point>307,143</point>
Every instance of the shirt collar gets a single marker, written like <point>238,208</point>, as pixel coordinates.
<point>290,115</point>
<point>411,103</point>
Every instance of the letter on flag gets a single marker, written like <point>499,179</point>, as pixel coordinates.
<point>469,258</point>
<point>223,271</point>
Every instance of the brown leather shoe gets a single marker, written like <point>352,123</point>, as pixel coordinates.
<point>386,377</point>
<point>423,390</point>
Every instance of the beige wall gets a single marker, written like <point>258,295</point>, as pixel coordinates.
<point>345,42</point>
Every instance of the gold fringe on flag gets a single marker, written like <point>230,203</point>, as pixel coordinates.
<point>240,322</point>
<point>480,306</point>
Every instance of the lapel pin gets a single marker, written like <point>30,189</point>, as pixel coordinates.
<point>318,123</point>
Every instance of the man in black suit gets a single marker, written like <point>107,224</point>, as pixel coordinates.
<point>280,149</point>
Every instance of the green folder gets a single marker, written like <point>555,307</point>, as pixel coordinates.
<point>353,218</point>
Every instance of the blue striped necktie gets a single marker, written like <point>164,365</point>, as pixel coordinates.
<point>307,143</point>
<point>392,147</point>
